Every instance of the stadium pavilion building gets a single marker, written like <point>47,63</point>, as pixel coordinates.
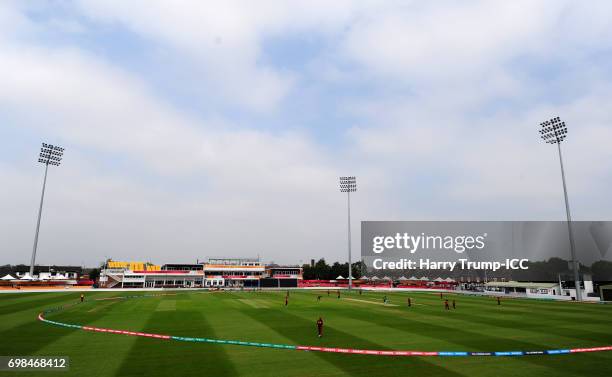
<point>537,290</point>
<point>213,273</point>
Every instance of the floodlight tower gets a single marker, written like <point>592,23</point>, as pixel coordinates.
<point>348,185</point>
<point>554,131</point>
<point>49,155</point>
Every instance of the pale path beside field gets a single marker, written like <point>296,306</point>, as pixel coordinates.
<point>370,302</point>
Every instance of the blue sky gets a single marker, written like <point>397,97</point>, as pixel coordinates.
<point>220,128</point>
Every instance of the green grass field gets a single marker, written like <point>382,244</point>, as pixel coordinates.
<point>354,321</point>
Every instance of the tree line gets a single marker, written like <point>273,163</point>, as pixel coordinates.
<point>323,271</point>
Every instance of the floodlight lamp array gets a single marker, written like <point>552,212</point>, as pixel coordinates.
<point>553,131</point>
<point>348,184</point>
<point>50,154</point>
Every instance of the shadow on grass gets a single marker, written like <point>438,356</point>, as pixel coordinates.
<point>7,298</point>
<point>37,302</point>
<point>32,335</point>
<point>285,324</point>
<point>470,341</point>
<point>174,358</point>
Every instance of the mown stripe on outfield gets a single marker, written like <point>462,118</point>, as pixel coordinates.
<point>28,337</point>
<point>523,321</point>
<point>8,297</point>
<point>144,354</point>
<point>283,323</point>
<point>289,317</point>
<point>527,324</point>
<point>458,334</point>
<point>32,303</point>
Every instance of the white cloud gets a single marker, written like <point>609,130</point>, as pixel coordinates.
<point>223,42</point>
<point>256,186</point>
